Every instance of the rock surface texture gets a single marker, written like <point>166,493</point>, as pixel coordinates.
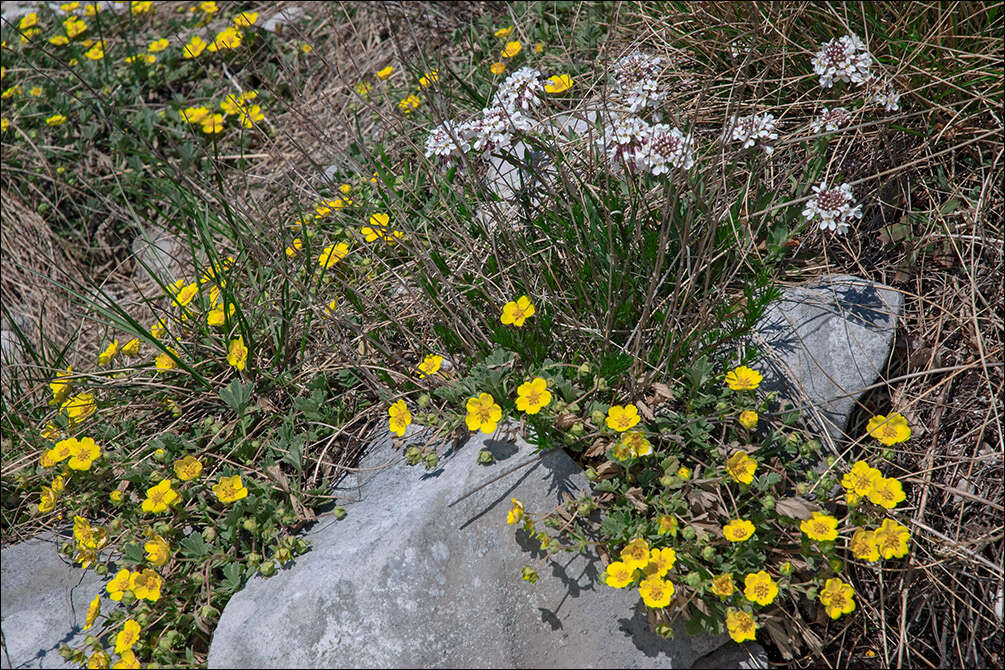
<point>405,580</point>
<point>826,342</point>
<point>44,604</point>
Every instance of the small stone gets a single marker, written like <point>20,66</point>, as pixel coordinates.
<point>283,17</point>
<point>160,255</point>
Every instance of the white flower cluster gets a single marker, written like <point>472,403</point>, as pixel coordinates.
<point>843,59</point>
<point>636,78</point>
<point>520,90</point>
<point>633,142</point>
<point>755,129</point>
<point>830,119</point>
<point>835,207</point>
<point>887,97</point>
<point>494,130</point>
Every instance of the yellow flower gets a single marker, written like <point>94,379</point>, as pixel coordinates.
<point>483,413</point>
<point>378,229</point>
<point>889,430</point>
<point>668,524</point>
<point>723,585</point>
<point>332,254</point>
<point>400,418</point>
<point>59,40</point>
<point>228,38</point>
<point>47,500</point>
<point>91,9</point>
<point>637,443</point>
<point>409,103</point>
<point>538,48</point>
<point>748,419</point>
<point>127,637</point>
<point>516,513</point>
<point>760,588</point>
<point>50,432</point>
<point>59,452</point>
<point>636,554</point>
<point>891,539</point>
<point>98,660</point>
<point>511,49</point>
<point>741,625</point>
<point>96,52</point>
<point>738,530</point>
<point>330,309</point>
<point>237,353</point>
<point>621,418</point>
<point>158,551</point>
<point>140,7</point>
<point>497,67</point>
<point>188,468</point>
<point>165,361</point>
<point>558,84</point>
<point>131,348</point>
<point>28,20</point>
<point>533,395</point>
<point>887,492</point>
<point>230,489</point>
<point>428,79</point>
<point>656,592</point>
<point>619,575</point>
<point>837,598</point>
<point>292,250</point>
<point>430,365</point>
<point>503,33</point>
<point>185,294</point>
<point>60,389</point>
<point>55,120</point>
<point>245,19</point>
<point>385,73</point>
<point>115,496</point>
<point>251,115</point>
<point>4,124</point>
<point>345,189</point>
<point>68,7</point>
<point>861,478</point>
<point>159,497</point>
<point>516,312</point>
<point>863,545</point>
<point>83,453</point>
<point>93,610</point>
<point>209,7</point>
<point>820,527</point>
<point>363,89</point>
<point>196,45</point>
<point>212,124</point>
<point>158,45</point>
<point>118,585</point>
<point>741,467</point>
<point>74,26</point>
<point>127,661</point>
<point>106,356</point>
<point>743,379</point>
<point>621,451</point>
<point>661,561</point>
<point>79,407</point>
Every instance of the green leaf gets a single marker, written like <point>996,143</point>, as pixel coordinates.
<point>195,547</point>
<point>236,395</point>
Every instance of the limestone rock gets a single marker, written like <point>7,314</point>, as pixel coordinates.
<point>407,580</point>
<point>45,603</point>
<point>159,254</point>
<point>748,656</point>
<point>826,342</point>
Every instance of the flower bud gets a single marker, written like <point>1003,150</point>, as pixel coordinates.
<point>101,569</point>
<point>666,481</point>
<point>485,457</point>
<point>66,652</point>
<point>412,455</point>
<point>254,558</point>
<point>432,460</point>
<point>591,474</point>
<point>208,612</point>
<point>585,507</point>
<point>166,641</point>
<point>786,568</point>
<point>768,503</point>
<point>209,533</point>
<point>339,512</point>
<point>250,524</point>
<point>602,384</point>
<point>692,579</point>
<point>90,641</point>
<point>688,533</point>
<point>598,417</point>
<point>115,525</point>
<point>424,400</point>
<point>708,553</point>
<point>283,555</point>
<point>128,598</point>
<point>837,565</point>
<point>578,429</point>
<point>528,574</point>
<point>585,370</point>
<point>268,568</point>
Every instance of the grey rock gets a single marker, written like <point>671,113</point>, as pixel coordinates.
<point>747,656</point>
<point>405,580</point>
<point>45,602</point>
<point>159,255</point>
<point>521,171</point>
<point>825,343</point>
<point>283,17</point>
